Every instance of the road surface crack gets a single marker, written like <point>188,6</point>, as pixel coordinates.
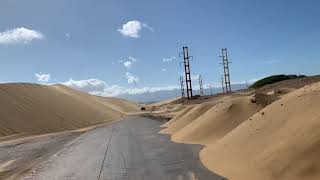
<point>105,154</point>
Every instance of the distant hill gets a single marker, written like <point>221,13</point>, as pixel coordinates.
<point>150,97</point>
<point>273,79</point>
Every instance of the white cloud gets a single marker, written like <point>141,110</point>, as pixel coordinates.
<point>133,28</point>
<point>88,85</point>
<point>20,36</point>
<point>42,77</point>
<point>101,88</point>
<point>127,64</point>
<point>131,78</point>
<point>147,26</point>
<point>163,69</point>
<point>168,59</point>
<point>132,59</point>
<point>133,91</point>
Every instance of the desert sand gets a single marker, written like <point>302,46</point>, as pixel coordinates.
<point>31,109</point>
<point>246,138</point>
<point>279,142</point>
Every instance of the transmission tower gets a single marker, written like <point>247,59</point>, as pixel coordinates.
<point>247,84</point>
<point>222,84</point>
<point>200,85</point>
<point>225,63</point>
<point>182,87</point>
<point>186,63</point>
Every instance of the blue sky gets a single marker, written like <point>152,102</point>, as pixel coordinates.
<point>86,41</point>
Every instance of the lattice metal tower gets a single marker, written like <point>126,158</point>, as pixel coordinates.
<point>182,86</point>
<point>200,85</point>
<point>222,84</point>
<point>225,63</point>
<point>186,59</point>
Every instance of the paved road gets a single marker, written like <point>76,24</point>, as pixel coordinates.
<point>130,149</point>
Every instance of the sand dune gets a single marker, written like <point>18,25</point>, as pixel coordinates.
<point>187,118</point>
<point>280,142</point>
<point>244,141</point>
<point>178,116</point>
<point>36,109</point>
<point>117,104</point>
<point>218,121</point>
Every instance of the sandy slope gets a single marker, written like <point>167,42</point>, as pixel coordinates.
<point>37,109</point>
<point>178,116</point>
<point>187,118</point>
<point>218,121</point>
<point>117,104</point>
<point>280,142</point>
<point>243,141</point>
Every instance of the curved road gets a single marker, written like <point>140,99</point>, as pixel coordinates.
<point>130,149</point>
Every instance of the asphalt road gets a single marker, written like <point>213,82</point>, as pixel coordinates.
<point>130,149</point>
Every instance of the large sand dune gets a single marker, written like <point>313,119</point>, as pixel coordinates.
<point>280,142</point>
<point>244,141</point>
<point>36,109</point>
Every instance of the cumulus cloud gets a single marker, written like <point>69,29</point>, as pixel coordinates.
<point>42,77</point>
<point>127,64</point>
<point>133,28</point>
<point>88,85</point>
<point>20,35</point>
<point>168,59</point>
<point>131,78</point>
<point>163,69</point>
<point>101,88</point>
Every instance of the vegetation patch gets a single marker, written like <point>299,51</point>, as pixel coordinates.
<point>274,79</point>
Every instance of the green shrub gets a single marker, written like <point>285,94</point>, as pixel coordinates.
<point>274,79</point>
